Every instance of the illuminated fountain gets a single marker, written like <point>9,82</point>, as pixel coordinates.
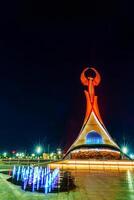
<point>36,178</point>
<point>41,179</point>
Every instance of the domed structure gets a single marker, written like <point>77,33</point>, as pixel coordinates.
<point>94,138</point>
<point>93,141</point>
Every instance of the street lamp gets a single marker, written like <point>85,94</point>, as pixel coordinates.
<point>131,156</point>
<point>33,155</point>
<point>59,152</point>
<point>125,149</point>
<point>38,150</point>
<point>17,154</point>
<point>5,154</point>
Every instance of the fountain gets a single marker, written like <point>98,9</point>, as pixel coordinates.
<point>36,178</point>
<point>39,179</point>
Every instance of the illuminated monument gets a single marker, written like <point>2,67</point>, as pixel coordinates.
<point>93,141</point>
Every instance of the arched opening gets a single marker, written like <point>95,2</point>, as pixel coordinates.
<point>94,138</point>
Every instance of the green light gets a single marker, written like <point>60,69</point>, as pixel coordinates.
<point>59,152</point>
<point>38,149</point>
<point>125,149</point>
<point>5,154</point>
<point>52,154</point>
<point>131,156</point>
<point>22,154</point>
<point>17,154</point>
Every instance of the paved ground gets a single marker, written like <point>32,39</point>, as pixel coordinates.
<point>90,186</point>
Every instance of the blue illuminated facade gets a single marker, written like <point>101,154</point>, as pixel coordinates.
<point>94,138</point>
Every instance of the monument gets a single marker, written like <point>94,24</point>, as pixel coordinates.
<point>93,141</point>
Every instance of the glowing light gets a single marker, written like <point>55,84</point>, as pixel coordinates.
<point>59,152</point>
<point>125,149</point>
<point>93,164</point>
<point>22,155</point>
<point>38,149</point>
<point>130,181</point>
<point>131,156</point>
<point>36,177</point>
<point>52,154</point>
<point>14,171</point>
<point>96,149</point>
<point>5,154</point>
<point>94,138</point>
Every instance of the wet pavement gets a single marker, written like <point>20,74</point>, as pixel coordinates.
<point>90,185</point>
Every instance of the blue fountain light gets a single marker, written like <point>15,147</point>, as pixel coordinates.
<point>36,178</point>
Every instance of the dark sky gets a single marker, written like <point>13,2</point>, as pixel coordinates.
<point>43,49</point>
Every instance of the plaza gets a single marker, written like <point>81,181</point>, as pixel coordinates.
<point>90,185</point>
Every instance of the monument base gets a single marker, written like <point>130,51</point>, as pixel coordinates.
<point>93,165</point>
<point>96,154</point>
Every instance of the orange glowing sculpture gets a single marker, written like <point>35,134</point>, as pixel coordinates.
<point>93,134</point>
<point>91,82</point>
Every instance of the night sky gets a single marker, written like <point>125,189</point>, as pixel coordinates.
<point>43,50</point>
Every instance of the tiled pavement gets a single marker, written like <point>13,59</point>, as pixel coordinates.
<point>103,185</point>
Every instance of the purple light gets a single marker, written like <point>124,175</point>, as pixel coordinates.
<point>36,177</point>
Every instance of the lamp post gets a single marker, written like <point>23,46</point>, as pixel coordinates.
<point>5,154</point>
<point>125,149</point>
<point>38,151</point>
<point>33,155</point>
<point>131,156</point>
